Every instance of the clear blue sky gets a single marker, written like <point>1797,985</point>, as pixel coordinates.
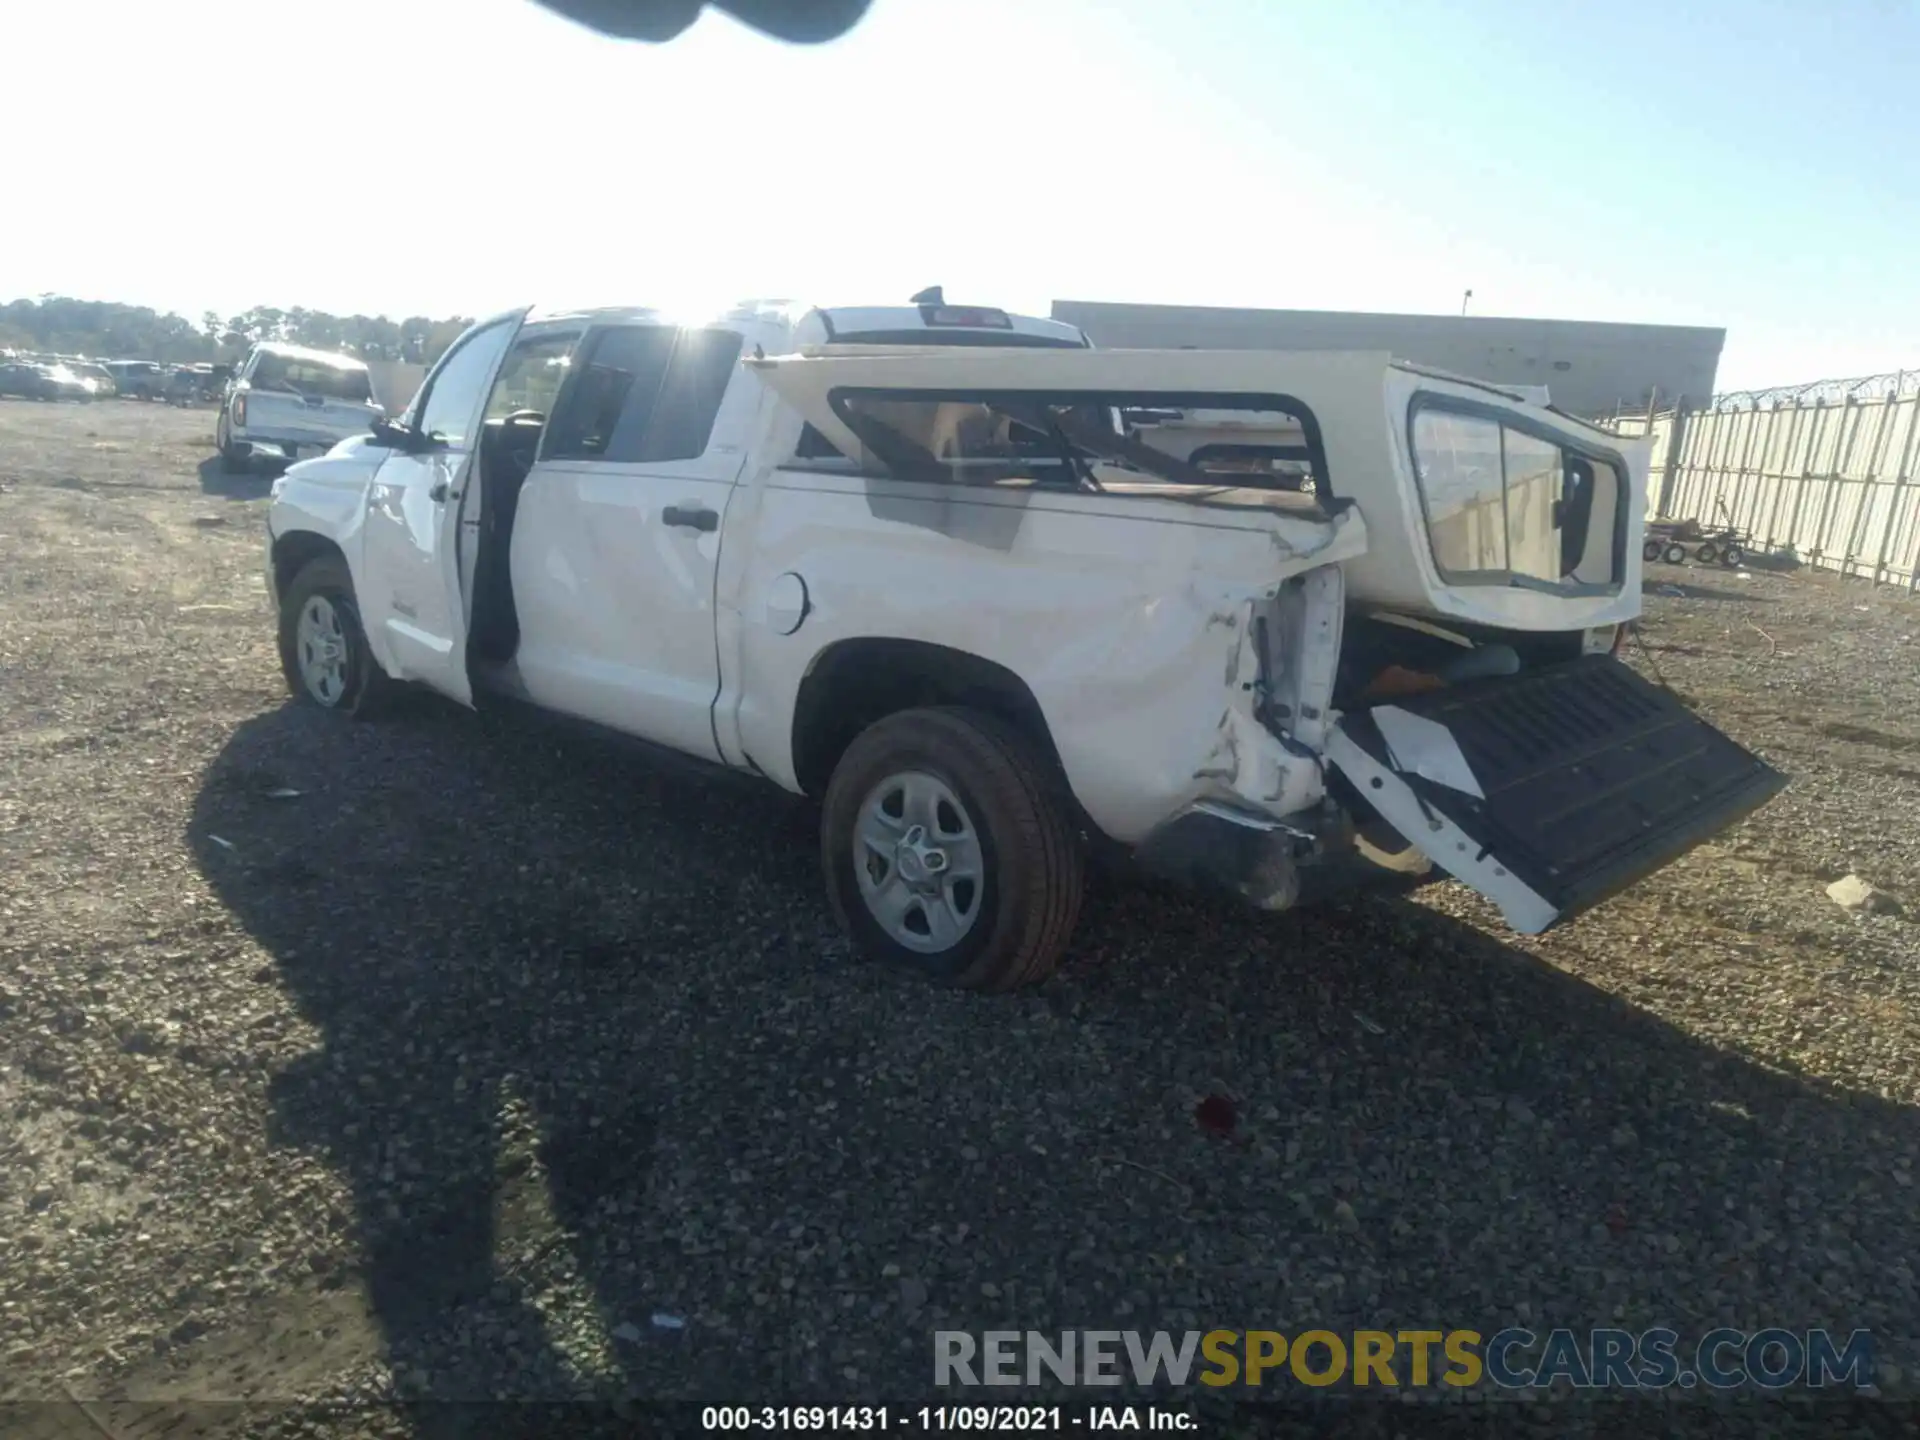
<point>1740,163</point>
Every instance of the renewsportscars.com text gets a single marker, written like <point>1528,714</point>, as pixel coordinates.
<point>1611,1359</point>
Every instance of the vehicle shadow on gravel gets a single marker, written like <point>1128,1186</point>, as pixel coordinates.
<point>218,482</point>
<point>587,1029</point>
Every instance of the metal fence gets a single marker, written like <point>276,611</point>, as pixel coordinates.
<point>1823,472</point>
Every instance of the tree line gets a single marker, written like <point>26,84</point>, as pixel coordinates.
<point>102,329</point>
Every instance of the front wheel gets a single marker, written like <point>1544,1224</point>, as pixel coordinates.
<point>1651,550</point>
<point>323,649</point>
<point>1675,554</point>
<point>949,850</point>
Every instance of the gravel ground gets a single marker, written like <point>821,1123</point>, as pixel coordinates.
<point>437,1058</point>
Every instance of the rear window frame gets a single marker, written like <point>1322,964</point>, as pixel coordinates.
<point>288,362</point>
<point>1569,444</point>
<point>1324,495</point>
<point>957,337</point>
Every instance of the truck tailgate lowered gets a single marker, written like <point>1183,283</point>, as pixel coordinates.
<point>1551,790</point>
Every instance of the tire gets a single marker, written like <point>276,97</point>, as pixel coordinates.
<point>1674,554</point>
<point>360,688</point>
<point>1651,550</point>
<point>234,460</point>
<point>1707,553</point>
<point>1010,807</point>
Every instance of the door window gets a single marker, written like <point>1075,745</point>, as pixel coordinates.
<point>704,362</point>
<point>451,398</point>
<point>643,393</point>
<point>532,375</point>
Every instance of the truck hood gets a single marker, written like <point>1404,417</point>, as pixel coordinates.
<point>350,465</point>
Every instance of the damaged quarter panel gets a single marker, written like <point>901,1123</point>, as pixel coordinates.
<point>1139,624</point>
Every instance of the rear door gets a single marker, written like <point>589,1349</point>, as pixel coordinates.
<point>1551,790</point>
<point>617,535</point>
<point>409,578</point>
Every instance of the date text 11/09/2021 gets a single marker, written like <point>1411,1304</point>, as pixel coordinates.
<point>938,1418</point>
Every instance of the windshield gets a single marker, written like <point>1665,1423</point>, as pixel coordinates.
<point>1077,442</point>
<point>296,376</point>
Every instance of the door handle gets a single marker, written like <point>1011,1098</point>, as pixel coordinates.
<point>440,493</point>
<point>690,519</point>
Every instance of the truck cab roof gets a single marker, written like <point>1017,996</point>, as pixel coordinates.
<point>787,325</point>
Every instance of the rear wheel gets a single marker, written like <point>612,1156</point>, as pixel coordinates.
<point>1733,556</point>
<point>233,458</point>
<point>1651,550</point>
<point>949,851</point>
<point>323,649</point>
<point>1675,555</point>
<point>1707,553</point>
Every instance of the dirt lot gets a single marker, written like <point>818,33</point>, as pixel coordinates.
<point>440,1057</point>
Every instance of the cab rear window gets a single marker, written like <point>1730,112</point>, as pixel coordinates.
<point>815,446</point>
<point>306,377</point>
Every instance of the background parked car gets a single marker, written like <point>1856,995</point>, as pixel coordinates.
<point>45,382</point>
<point>138,379</point>
<point>20,377</point>
<point>191,384</point>
<point>104,385</point>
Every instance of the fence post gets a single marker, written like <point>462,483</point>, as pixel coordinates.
<point>1713,469</point>
<point>1863,511</point>
<point>1740,517</point>
<point>1900,474</point>
<point>1805,477</point>
<point>1842,443</point>
<point>1786,459</point>
<point>1675,436</point>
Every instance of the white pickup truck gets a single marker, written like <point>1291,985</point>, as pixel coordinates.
<point>1273,622</point>
<point>286,399</point>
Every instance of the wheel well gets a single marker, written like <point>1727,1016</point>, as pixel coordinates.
<point>856,682</point>
<point>294,551</point>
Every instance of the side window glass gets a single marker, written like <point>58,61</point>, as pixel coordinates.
<point>531,377</point>
<point>617,381</point>
<point>704,363</point>
<point>644,393</point>
<point>453,391</point>
<point>1457,461</point>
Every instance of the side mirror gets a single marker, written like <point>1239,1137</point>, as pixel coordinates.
<point>399,437</point>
